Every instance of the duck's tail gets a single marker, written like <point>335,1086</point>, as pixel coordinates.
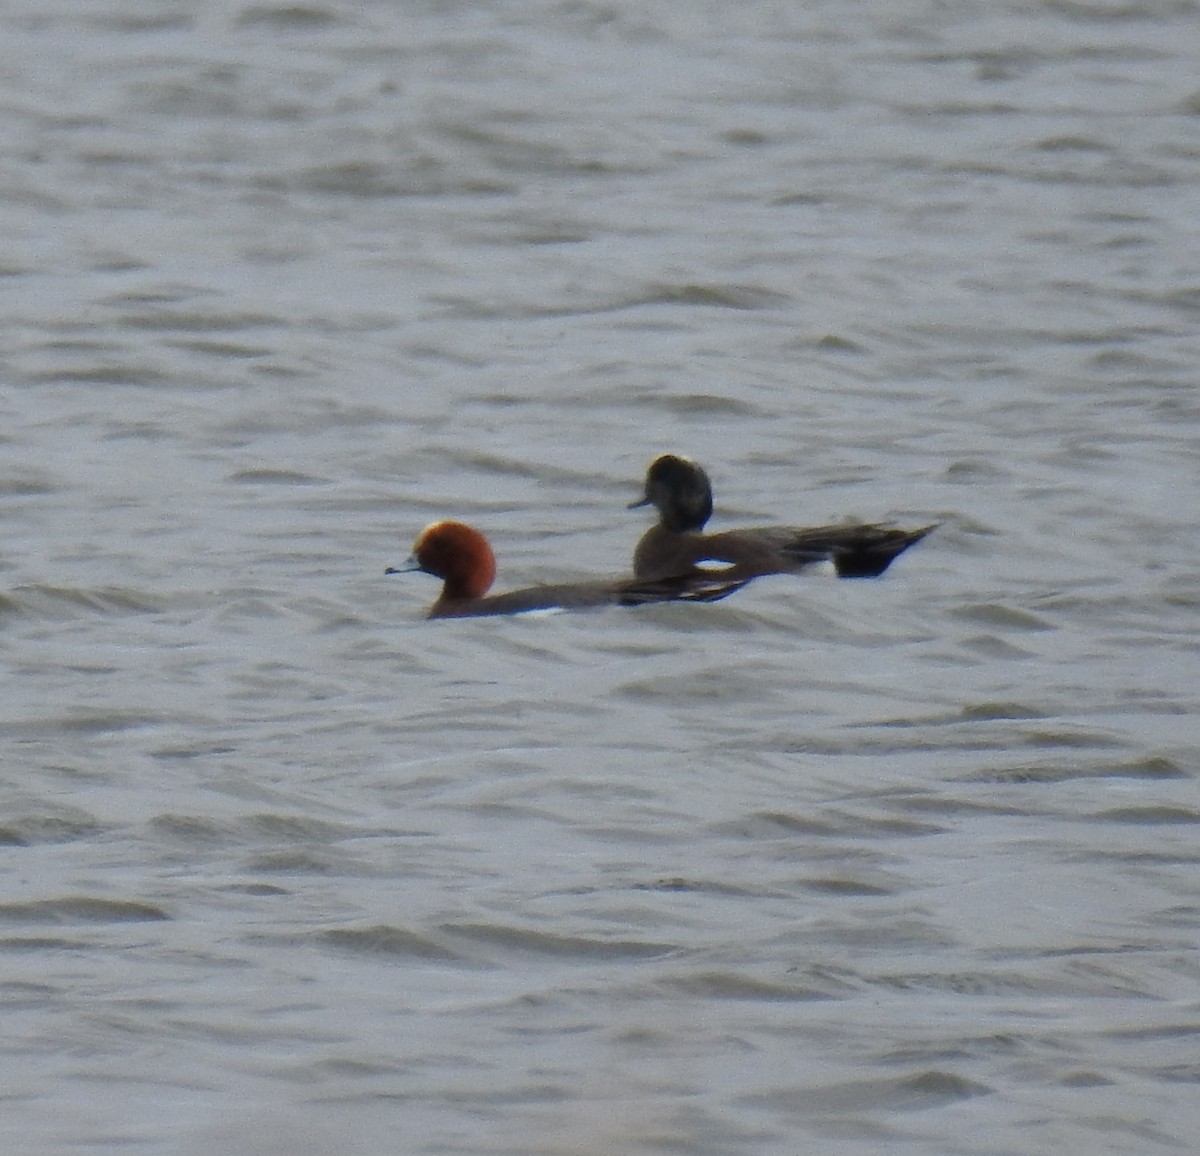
<point>855,551</point>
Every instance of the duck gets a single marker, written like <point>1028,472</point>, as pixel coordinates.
<point>463,559</point>
<point>677,546</point>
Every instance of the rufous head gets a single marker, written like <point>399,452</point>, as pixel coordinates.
<point>459,555</point>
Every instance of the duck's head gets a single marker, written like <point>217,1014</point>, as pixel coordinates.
<point>681,492</point>
<point>456,553</point>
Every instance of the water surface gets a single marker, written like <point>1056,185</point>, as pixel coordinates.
<point>906,865</point>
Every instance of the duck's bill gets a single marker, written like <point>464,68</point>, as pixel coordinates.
<point>642,501</point>
<point>406,568</point>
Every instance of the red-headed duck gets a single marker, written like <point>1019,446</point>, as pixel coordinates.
<point>463,559</point>
<point>681,492</point>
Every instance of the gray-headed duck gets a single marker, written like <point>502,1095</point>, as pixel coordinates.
<point>461,556</point>
<point>681,492</point>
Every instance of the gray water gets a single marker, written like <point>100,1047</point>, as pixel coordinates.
<point>906,866</point>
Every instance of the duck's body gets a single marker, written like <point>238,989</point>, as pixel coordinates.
<point>681,492</point>
<point>462,557</point>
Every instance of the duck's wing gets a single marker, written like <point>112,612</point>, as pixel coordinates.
<point>698,587</point>
<point>856,551</point>
<point>586,595</point>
